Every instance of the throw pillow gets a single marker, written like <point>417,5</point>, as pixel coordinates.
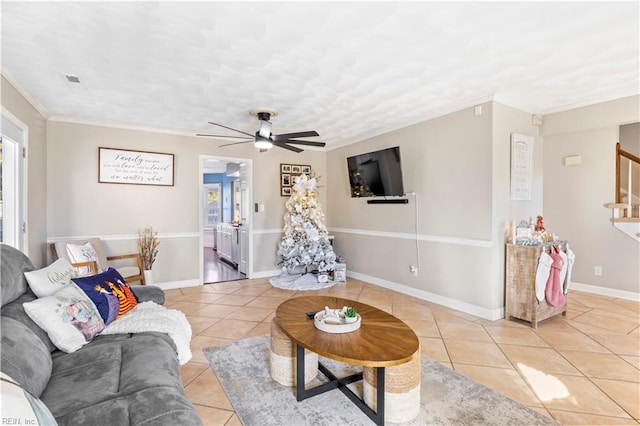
<point>109,292</point>
<point>69,317</point>
<point>21,406</point>
<point>46,281</point>
<point>83,253</point>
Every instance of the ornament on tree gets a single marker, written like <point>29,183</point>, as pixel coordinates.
<point>305,241</point>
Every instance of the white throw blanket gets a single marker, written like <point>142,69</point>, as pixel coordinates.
<point>149,316</point>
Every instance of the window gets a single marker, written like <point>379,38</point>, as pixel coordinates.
<point>212,204</point>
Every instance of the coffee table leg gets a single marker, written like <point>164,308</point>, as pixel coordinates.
<point>335,383</point>
<point>380,397</point>
<point>299,372</point>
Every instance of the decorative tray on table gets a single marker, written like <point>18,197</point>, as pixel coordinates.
<point>335,325</point>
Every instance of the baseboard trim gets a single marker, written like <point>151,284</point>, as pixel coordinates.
<point>604,291</point>
<point>489,314</point>
<point>170,285</point>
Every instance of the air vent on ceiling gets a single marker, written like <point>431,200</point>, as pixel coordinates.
<point>72,78</point>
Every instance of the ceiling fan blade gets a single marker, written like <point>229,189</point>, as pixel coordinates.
<point>309,143</point>
<point>231,128</point>
<point>295,135</point>
<point>289,147</point>
<point>221,136</point>
<point>237,143</point>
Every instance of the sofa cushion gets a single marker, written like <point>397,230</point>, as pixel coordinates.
<point>16,311</point>
<point>148,293</point>
<point>119,379</point>
<point>13,265</point>
<point>68,316</point>
<point>24,356</point>
<point>46,281</point>
<point>110,293</point>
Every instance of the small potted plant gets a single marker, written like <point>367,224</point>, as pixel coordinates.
<point>350,315</point>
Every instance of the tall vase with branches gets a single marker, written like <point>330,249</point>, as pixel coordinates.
<point>148,248</point>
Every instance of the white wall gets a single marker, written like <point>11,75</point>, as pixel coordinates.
<point>574,195</point>
<point>79,206</point>
<point>459,165</point>
<point>508,120</point>
<point>447,161</point>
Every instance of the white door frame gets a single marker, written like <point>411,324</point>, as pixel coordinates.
<point>17,131</point>
<point>249,163</point>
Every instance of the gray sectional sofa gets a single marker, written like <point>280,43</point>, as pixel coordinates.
<point>113,380</point>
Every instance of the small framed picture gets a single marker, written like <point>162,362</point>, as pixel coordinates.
<point>306,170</point>
<point>286,179</point>
<point>286,191</point>
<point>285,168</point>
<point>296,169</point>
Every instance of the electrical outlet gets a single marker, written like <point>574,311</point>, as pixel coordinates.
<point>414,270</point>
<point>597,271</point>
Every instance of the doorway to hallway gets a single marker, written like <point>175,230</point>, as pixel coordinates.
<point>225,218</point>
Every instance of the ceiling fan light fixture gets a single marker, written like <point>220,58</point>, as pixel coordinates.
<point>265,129</point>
<point>262,143</point>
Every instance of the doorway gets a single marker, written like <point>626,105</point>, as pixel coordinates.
<point>226,240</point>
<point>13,206</point>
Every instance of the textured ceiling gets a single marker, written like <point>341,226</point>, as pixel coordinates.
<point>347,70</point>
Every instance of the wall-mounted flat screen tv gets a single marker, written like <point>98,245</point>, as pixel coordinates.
<point>377,173</point>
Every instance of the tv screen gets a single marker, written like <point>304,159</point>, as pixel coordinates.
<point>377,173</point>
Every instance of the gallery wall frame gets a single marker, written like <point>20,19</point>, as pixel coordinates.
<point>125,166</point>
<point>288,172</point>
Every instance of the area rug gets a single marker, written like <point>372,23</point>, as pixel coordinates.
<point>447,397</point>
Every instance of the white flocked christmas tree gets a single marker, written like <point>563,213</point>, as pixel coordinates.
<point>305,242</point>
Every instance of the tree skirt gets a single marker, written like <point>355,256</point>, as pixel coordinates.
<point>298,282</point>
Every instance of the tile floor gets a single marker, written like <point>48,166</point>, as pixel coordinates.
<point>580,369</point>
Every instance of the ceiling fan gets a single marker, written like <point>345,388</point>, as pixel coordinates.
<point>264,139</point>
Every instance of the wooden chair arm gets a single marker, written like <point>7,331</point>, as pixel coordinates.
<point>92,264</point>
<point>138,259</point>
<point>124,256</point>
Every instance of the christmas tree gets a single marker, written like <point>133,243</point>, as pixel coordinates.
<point>305,241</point>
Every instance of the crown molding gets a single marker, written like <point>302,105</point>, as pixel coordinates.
<point>115,124</point>
<point>592,101</point>
<point>25,94</point>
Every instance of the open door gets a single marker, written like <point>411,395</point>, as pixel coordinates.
<point>243,230</point>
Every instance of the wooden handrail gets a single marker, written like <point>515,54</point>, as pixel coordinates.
<point>622,153</point>
<point>628,155</point>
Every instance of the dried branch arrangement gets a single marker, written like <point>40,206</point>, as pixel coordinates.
<point>148,247</point>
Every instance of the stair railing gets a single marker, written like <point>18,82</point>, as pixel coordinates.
<point>632,159</point>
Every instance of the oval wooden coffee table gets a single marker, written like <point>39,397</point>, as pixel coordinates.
<point>381,341</point>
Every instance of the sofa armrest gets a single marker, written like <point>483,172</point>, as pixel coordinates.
<point>149,293</point>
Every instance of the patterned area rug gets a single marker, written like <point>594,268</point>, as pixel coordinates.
<point>447,398</point>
